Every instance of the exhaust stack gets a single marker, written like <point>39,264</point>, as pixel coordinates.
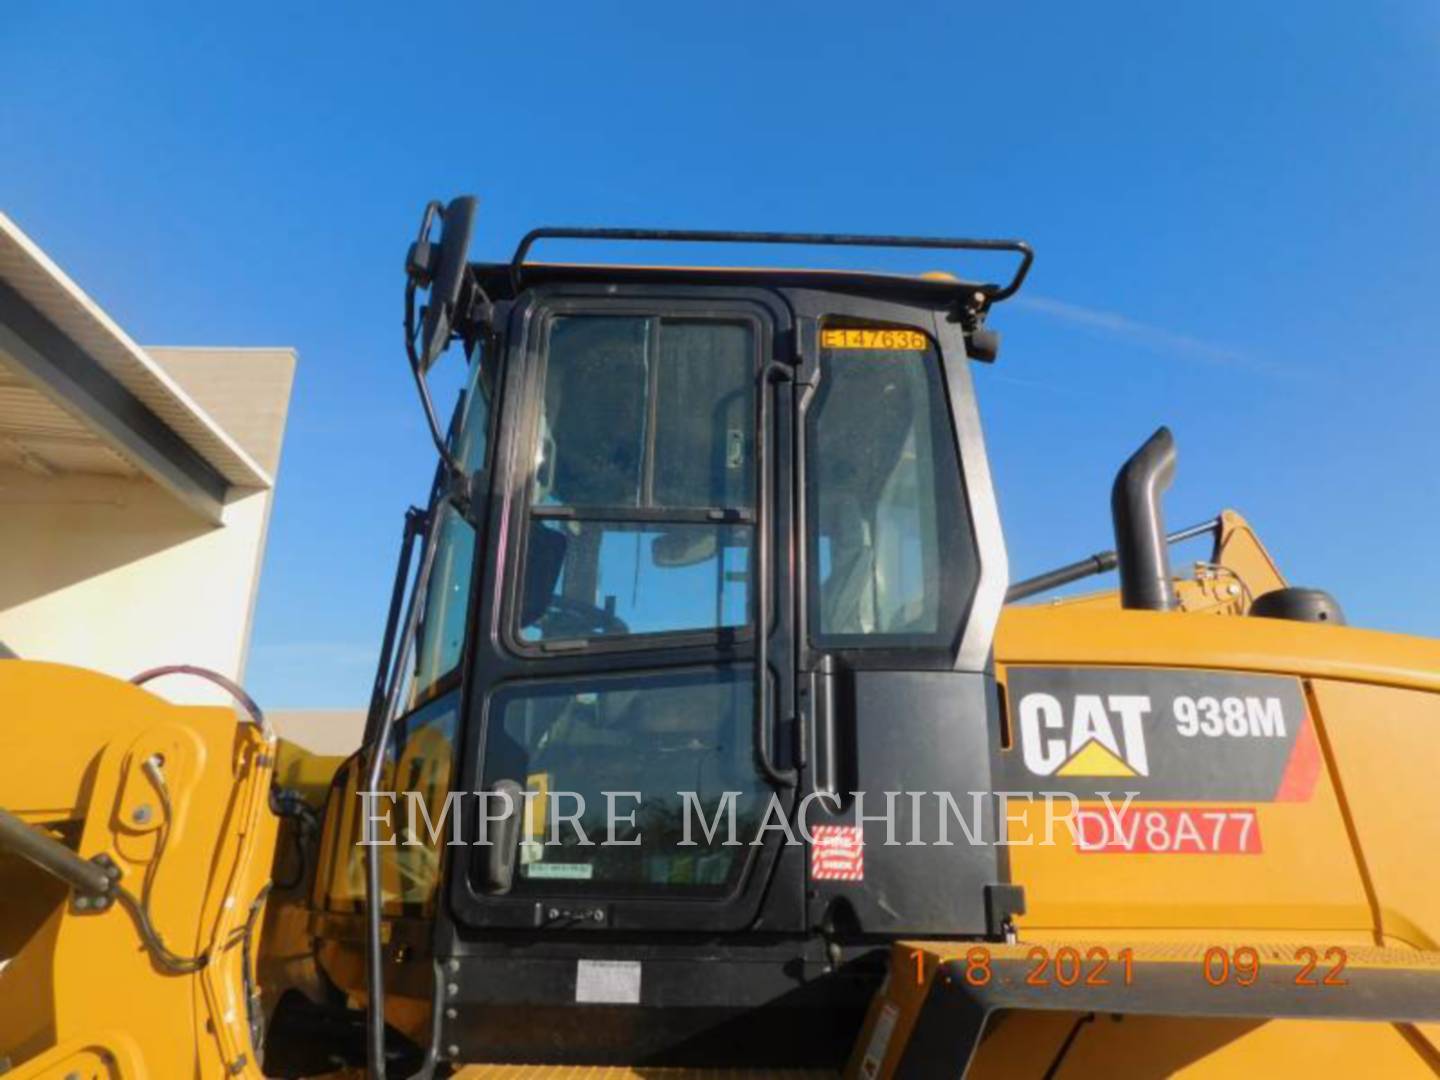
<point>1144,555</point>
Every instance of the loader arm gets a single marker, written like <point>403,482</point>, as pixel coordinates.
<point>155,977</point>
<point>1237,570</point>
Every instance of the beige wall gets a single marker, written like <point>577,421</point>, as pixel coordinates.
<point>113,573</point>
<point>321,731</point>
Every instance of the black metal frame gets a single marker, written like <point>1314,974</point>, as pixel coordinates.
<point>496,657</point>
<point>665,304</point>
<point>993,293</point>
<point>812,306</point>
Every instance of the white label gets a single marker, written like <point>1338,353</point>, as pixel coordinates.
<point>879,1041</point>
<point>607,982</point>
<point>563,871</point>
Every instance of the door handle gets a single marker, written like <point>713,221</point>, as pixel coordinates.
<point>772,372</point>
<point>500,834</point>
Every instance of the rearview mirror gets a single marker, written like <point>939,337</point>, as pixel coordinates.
<point>682,547</point>
<point>438,266</point>
<point>441,266</point>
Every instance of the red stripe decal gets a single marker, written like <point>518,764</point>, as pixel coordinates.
<point>1297,783</point>
<point>837,853</point>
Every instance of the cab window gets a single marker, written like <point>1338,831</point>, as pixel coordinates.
<point>447,599</point>
<point>892,557</point>
<point>641,502</point>
<point>673,752</point>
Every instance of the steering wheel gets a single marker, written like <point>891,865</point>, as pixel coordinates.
<point>566,617</point>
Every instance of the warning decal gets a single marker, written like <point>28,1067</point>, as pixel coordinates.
<point>837,853</point>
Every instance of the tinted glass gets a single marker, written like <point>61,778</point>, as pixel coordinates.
<point>646,438</point>
<point>656,735</point>
<point>619,578</point>
<point>594,428</point>
<point>892,557</point>
<point>704,415</point>
<point>447,601</point>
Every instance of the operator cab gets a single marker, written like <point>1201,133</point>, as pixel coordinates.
<point>709,552</point>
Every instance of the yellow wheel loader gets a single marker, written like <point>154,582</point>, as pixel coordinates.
<point>710,733</point>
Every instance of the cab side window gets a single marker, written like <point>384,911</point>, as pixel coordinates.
<point>447,599</point>
<point>892,555</point>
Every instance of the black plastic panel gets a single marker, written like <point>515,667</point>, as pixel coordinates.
<point>925,732</point>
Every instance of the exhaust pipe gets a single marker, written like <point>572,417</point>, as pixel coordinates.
<point>1139,529</point>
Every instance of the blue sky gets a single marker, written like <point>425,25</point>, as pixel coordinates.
<point>1234,205</point>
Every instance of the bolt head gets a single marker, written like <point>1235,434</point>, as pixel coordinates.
<point>141,814</point>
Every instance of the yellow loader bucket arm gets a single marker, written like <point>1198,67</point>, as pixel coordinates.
<point>149,972</point>
<point>1238,570</point>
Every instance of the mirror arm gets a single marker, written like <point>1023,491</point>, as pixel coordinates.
<point>457,307</point>
<point>431,417</point>
<point>457,484</point>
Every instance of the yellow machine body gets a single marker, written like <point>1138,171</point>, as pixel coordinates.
<point>1348,866</point>
<point>1344,875</point>
<point>81,995</point>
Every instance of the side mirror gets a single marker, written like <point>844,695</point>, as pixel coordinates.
<point>439,266</point>
<point>682,547</point>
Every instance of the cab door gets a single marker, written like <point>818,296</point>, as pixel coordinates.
<point>633,668</point>
<point>902,574</point>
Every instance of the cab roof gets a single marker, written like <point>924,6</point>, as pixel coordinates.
<point>932,289</point>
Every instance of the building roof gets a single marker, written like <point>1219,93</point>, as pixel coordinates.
<point>77,395</point>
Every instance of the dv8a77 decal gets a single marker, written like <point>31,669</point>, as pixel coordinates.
<point>1166,735</point>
